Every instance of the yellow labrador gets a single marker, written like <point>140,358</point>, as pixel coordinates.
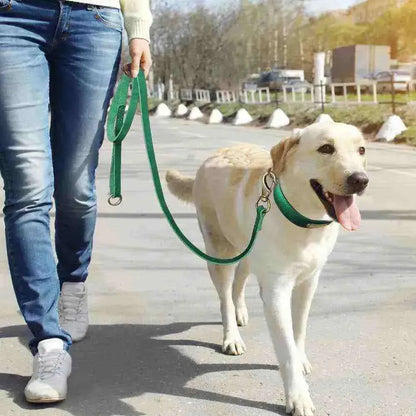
<point>320,170</point>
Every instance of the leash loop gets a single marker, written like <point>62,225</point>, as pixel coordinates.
<point>119,122</point>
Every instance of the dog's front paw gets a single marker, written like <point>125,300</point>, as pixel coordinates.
<point>241,314</point>
<point>299,403</point>
<point>233,345</point>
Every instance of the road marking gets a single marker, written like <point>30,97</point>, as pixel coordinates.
<point>189,134</point>
<point>399,172</point>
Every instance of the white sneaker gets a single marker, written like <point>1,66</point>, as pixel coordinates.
<point>73,309</point>
<point>51,369</point>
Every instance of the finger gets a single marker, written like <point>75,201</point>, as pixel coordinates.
<point>146,69</point>
<point>135,65</point>
<point>126,70</point>
<point>146,63</point>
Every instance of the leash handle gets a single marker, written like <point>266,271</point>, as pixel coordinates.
<point>139,93</point>
<point>118,125</point>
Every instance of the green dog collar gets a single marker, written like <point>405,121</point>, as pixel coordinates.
<point>291,214</point>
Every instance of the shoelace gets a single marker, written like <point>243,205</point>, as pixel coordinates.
<point>71,306</point>
<point>51,364</point>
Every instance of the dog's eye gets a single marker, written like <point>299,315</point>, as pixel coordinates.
<point>361,150</point>
<point>327,149</point>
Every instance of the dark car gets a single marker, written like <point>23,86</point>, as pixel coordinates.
<point>271,80</point>
<point>251,83</point>
<point>275,79</point>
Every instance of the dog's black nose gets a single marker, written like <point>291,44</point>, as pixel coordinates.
<point>357,182</point>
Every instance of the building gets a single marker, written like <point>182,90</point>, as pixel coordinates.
<point>370,10</point>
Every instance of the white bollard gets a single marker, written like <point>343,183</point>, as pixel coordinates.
<point>391,128</point>
<point>324,118</point>
<point>216,117</point>
<point>278,119</point>
<point>181,110</point>
<point>171,96</point>
<point>163,110</point>
<point>195,114</point>
<point>242,117</point>
<point>319,77</point>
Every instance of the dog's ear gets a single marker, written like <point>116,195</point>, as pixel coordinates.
<point>280,152</point>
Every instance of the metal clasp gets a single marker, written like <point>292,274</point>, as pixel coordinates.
<point>269,182</point>
<point>115,201</point>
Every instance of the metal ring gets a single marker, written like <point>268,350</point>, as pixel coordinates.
<point>268,206</point>
<point>115,201</point>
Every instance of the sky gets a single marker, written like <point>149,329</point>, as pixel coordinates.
<point>312,6</point>
<point>319,6</point>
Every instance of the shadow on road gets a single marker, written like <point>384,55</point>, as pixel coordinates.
<point>405,215</point>
<point>117,362</point>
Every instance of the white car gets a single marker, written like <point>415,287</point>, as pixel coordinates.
<point>401,81</point>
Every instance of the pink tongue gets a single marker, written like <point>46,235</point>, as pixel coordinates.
<point>347,212</point>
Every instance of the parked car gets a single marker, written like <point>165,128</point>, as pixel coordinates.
<point>251,83</point>
<point>272,80</point>
<point>298,85</point>
<point>401,81</point>
<point>276,78</point>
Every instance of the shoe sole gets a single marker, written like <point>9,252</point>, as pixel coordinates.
<point>40,401</point>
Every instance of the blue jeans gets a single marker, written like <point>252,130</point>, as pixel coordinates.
<point>66,55</point>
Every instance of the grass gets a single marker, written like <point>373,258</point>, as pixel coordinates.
<point>369,118</point>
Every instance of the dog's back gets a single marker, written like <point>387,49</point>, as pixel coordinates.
<point>226,186</point>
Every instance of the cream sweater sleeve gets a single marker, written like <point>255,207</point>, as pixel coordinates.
<point>137,18</point>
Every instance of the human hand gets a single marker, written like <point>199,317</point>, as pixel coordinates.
<point>140,58</point>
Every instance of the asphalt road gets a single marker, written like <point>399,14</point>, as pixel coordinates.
<point>154,343</point>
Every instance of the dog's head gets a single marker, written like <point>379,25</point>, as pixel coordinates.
<point>331,158</point>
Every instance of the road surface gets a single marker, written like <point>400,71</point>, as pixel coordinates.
<point>154,343</point>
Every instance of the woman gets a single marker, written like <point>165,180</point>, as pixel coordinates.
<point>65,54</point>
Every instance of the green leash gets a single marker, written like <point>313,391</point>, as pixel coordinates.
<point>118,124</point>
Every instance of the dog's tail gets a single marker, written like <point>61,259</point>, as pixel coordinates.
<point>181,186</point>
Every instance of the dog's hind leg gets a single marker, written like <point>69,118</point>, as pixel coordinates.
<point>222,276</point>
<point>241,275</point>
<point>301,303</point>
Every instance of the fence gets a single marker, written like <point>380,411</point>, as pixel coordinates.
<point>295,92</point>
<point>225,97</point>
<point>292,94</point>
<point>358,88</point>
<point>186,94</point>
<point>339,94</point>
<point>202,96</point>
<point>259,96</point>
